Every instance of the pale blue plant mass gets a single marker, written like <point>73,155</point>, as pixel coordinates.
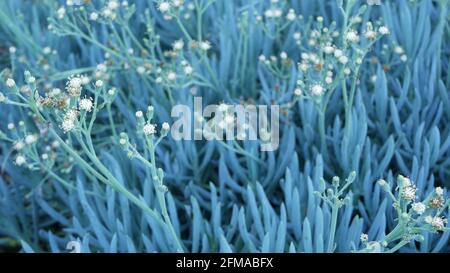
<point>87,90</point>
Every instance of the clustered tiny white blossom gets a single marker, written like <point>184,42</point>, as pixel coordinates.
<point>20,160</point>
<point>418,208</point>
<point>164,6</point>
<point>273,13</point>
<point>18,145</point>
<point>93,16</point>
<point>165,126</point>
<point>188,70</point>
<point>438,223</point>
<point>409,193</point>
<point>317,90</point>
<point>439,191</point>
<point>383,30</point>
<point>61,12</point>
<point>139,114</point>
<point>10,83</point>
<point>171,76</point>
<point>352,36</point>
<point>86,104</point>
<point>291,15</point>
<point>74,86</point>
<point>68,123</point>
<point>140,70</point>
<point>205,45</point>
<point>99,83</point>
<point>149,129</point>
<point>364,237</point>
<point>30,139</point>
<point>178,45</point>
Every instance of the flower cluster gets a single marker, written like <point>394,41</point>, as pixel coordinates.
<point>414,217</point>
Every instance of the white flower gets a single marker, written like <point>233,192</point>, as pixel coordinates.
<point>113,4</point>
<point>319,19</point>
<point>304,67</point>
<point>102,67</point>
<point>47,50</point>
<point>277,13</point>
<point>370,34</point>
<point>364,237</point>
<point>384,30</point>
<point>67,125</point>
<point>149,129</point>
<point>352,36</point>
<point>71,114</point>
<point>139,114</point>
<point>123,141</point>
<point>205,45</point>
<point>297,92</point>
<point>140,70</point>
<point>297,36</point>
<point>171,76</point>
<point>109,13</point>
<point>29,139</point>
<point>188,70</point>
<point>283,55</point>
<point>10,83</point>
<point>44,156</point>
<point>178,45</point>
<point>269,13</point>
<point>291,15</point>
<point>338,53</point>
<point>439,191</point>
<point>20,160</point>
<point>18,145</point>
<point>12,50</point>
<point>85,80</point>
<point>112,91</point>
<point>74,86</point>
<point>328,49</point>
<point>343,59</point>
<point>317,90</point>
<point>262,58</point>
<point>329,80</point>
<point>438,223</point>
<point>409,193</point>
<point>93,16</point>
<point>165,126</point>
<point>61,12</point>
<point>404,58</point>
<point>418,208</point>
<point>398,50</point>
<point>164,6</point>
<point>86,104</point>
<point>11,126</point>
<point>177,3</point>
<point>99,83</point>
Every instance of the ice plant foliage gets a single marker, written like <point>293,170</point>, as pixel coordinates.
<point>87,90</point>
